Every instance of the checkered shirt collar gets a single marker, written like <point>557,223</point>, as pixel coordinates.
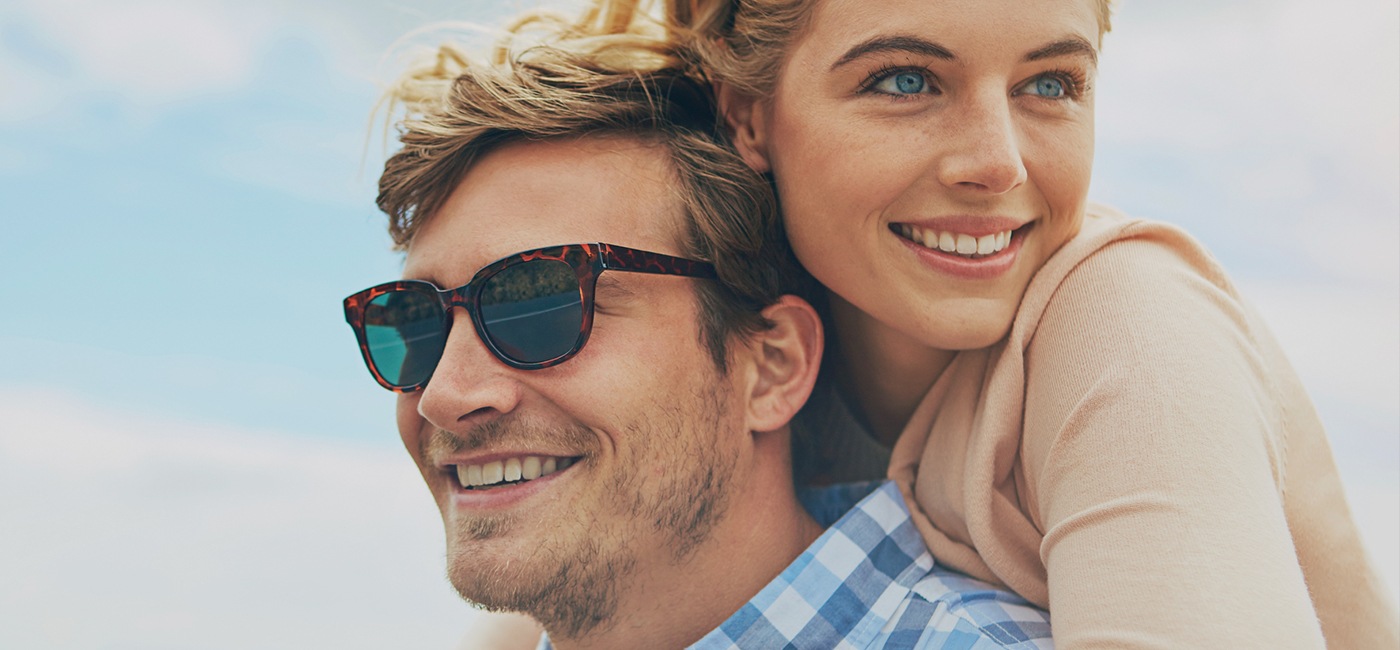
<point>845,587</point>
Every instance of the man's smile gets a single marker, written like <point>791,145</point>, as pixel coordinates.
<point>475,488</point>
<point>509,471</point>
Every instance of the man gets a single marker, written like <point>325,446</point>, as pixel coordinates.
<point>604,426</point>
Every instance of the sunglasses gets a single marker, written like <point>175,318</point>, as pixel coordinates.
<point>532,309</point>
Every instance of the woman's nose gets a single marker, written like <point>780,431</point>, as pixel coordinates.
<point>981,148</point>
<point>470,383</point>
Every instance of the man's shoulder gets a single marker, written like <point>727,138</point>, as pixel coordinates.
<point>941,607</point>
<point>870,582</point>
<point>946,609</point>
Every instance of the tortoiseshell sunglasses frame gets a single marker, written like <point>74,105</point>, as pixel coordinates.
<point>588,262</point>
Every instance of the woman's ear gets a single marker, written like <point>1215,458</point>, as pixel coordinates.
<point>786,359</point>
<point>748,125</point>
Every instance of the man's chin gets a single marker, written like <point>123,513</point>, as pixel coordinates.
<point>463,532</point>
<point>569,592</point>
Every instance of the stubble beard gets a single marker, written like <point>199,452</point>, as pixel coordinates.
<point>572,588</point>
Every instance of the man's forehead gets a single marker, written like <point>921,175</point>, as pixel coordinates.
<point>532,194</point>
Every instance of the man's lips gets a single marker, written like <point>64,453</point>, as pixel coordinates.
<point>483,473</point>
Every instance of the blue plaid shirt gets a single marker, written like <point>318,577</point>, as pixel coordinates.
<point>869,582</point>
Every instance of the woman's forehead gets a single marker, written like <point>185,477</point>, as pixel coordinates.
<point>838,26</point>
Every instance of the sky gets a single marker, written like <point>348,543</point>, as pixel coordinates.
<point>191,452</point>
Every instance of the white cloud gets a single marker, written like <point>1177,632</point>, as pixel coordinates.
<point>1353,241</point>
<point>154,51</point>
<point>1211,76</point>
<point>149,53</point>
<point>1342,340</point>
<point>1284,113</point>
<point>27,93</point>
<point>126,531</point>
<point>144,54</point>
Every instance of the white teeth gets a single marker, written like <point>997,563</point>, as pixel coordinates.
<point>493,472</point>
<point>930,239</point>
<point>958,243</point>
<point>525,468</point>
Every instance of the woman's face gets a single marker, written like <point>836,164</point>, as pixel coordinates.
<point>931,154</point>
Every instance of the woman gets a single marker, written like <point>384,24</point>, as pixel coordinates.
<point>1084,409</point>
<point>1081,408</point>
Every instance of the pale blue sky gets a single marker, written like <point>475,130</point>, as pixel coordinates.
<point>186,193</point>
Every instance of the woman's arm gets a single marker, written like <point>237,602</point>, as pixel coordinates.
<point>1154,457</point>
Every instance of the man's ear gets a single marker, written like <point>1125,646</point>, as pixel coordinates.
<point>786,359</point>
<point>748,125</point>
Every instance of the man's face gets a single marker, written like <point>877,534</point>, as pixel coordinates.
<point>642,429</point>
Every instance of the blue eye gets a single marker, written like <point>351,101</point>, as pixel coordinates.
<point>902,83</point>
<point>1046,87</point>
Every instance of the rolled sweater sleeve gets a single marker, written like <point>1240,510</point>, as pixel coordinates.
<point>1153,460</point>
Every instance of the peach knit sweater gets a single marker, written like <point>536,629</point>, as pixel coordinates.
<point>1138,456</point>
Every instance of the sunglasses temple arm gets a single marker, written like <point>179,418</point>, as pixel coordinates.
<point>620,258</point>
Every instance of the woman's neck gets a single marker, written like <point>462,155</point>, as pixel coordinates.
<point>886,371</point>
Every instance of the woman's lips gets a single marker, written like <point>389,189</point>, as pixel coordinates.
<point>981,257</point>
<point>955,243</point>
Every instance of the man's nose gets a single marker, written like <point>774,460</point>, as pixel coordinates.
<point>470,384</point>
<point>981,151</point>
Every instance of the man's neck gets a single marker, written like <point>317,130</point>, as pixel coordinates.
<point>675,604</point>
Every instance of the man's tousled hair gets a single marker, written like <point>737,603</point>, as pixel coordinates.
<point>458,110</point>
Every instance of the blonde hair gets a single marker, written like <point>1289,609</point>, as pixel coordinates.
<point>577,83</point>
<point>742,43</point>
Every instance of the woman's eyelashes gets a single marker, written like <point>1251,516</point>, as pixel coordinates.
<point>906,82</point>
<point>899,82</point>
<point>1056,84</point>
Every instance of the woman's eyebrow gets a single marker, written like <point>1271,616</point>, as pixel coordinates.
<point>909,44</point>
<point>1067,46</point>
<point>916,45</point>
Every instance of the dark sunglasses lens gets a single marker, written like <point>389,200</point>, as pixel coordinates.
<point>533,311</point>
<point>405,331</point>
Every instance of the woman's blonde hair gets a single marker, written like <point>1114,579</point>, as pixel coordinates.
<point>742,43</point>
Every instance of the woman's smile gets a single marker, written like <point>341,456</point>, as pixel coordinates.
<point>981,252</point>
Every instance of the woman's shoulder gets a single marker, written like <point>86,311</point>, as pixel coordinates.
<point>1140,304</point>
<point>1119,270</point>
<point>1133,325</point>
